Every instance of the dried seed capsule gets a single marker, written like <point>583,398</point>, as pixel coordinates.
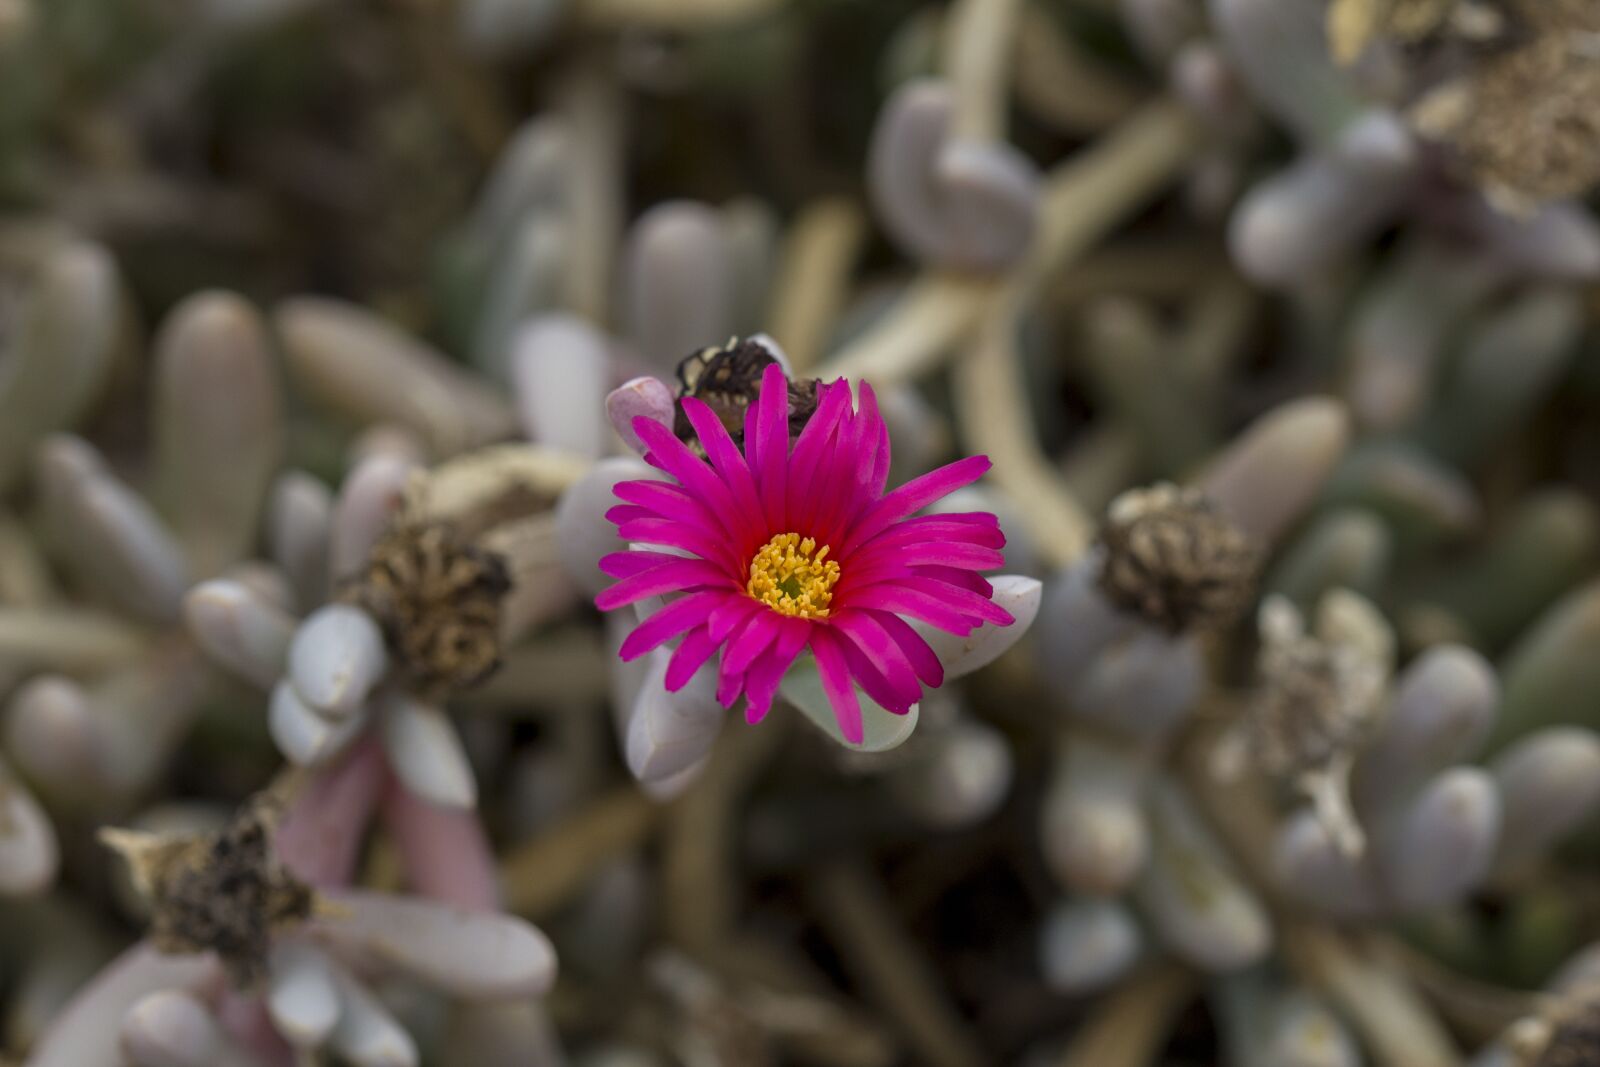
<point>1174,558</point>
<point>727,379</point>
<point>223,892</point>
<point>437,597</point>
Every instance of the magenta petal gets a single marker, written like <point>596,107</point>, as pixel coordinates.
<point>726,619</point>
<point>917,651</point>
<point>964,600</point>
<point>767,449</point>
<point>691,472</point>
<point>627,564</point>
<point>729,686</point>
<point>835,674</point>
<point>961,579</point>
<point>877,475</point>
<point>871,681</point>
<point>934,610</point>
<point>764,676</point>
<point>667,578</point>
<point>690,655</point>
<point>913,497</point>
<point>671,534</point>
<point>670,621</point>
<point>882,652</point>
<point>753,640</point>
<point>730,465</point>
<point>667,501</point>
<point>934,553</point>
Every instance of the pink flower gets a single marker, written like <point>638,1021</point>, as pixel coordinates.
<point>788,550</point>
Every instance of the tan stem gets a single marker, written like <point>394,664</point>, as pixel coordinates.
<point>1083,200</point>
<point>1128,1028</point>
<point>699,879</point>
<point>867,934</point>
<point>1396,1023</point>
<point>979,35</point>
<point>591,107</point>
<point>995,418</point>
<point>813,278</point>
<point>541,875</point>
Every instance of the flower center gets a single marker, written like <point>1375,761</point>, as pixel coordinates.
<point>794,577</point>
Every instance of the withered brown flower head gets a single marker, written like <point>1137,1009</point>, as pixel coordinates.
<point>223,892</point>
<point>1518,117</point>
<point>1319,696</point>
<point>1172,557</point>
<point>437,595</point>
<point>727,379</point>
<point>1567,1035</point>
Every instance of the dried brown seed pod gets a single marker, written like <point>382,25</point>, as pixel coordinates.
<point>727,379</point>
<point>1522,122</point>
<point>1171,556</point>
<point>437,596</point>
<point>224,892</point>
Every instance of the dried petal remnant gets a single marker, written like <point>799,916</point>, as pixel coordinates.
<point>1171,556</point>
<point>437,597</point>
<point>223,892</point>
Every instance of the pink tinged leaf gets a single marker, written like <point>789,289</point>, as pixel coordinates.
<point>648,398</point>
<point>688,657</point>
<point>669,622</point>
<point>918,653</point>
<point>835,675</point>
<point>667,578</point>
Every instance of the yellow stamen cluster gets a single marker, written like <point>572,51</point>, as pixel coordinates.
<point>787,577</point>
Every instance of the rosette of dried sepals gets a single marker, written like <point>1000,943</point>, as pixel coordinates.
<point>433,572</point>
<point>1521,120</point>
<point>1320,694</point>
<point>1172,556</point>
<point>259,950</point>
<point>727,379</point>
<point>224,892</point>
<point>799,549</point>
